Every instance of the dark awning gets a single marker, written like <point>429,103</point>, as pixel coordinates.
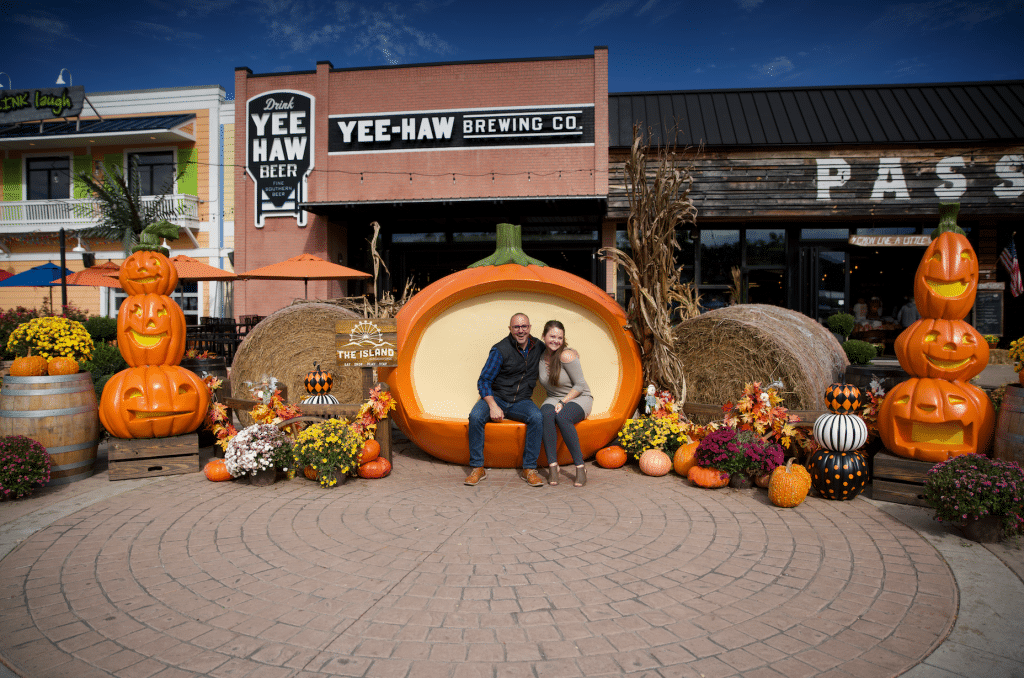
<point>64,133</point>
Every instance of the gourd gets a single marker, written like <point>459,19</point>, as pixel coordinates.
<point>153,401</point>
<point>683,460</point>
<point>655,463</point>
<point>942,349</point>
<point>29,366</point>
<point>151,329</point>
<point>842,398</point>
<point>317,381</point>
<point>378,468</point>
<point>216,470</point>
<point>432,411</point>
<point>710,478</point>
<point>838,475</point>
<point>612,456</point>
<point>309,472</point>
<point>370,451</point>
<point>840,432</point>
<point>62,366</point>
<point>789,485</point>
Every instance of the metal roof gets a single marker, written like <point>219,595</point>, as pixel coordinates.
<point>942,113</point>
<point>93,127</point>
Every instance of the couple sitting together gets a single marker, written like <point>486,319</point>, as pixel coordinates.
<point>506,391</point>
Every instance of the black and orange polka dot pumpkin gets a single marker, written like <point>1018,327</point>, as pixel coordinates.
<point>842,398</point>
<point>318,382</point>
<point>838,475</point>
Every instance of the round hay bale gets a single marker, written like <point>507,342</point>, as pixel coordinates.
<point>724,349</point>
<point>286,344</point>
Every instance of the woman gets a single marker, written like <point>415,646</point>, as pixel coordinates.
<point>568,402</point>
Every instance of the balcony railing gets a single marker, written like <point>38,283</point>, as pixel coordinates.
<point>29,216</point>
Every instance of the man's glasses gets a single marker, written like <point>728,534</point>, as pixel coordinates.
<point>520,327</point>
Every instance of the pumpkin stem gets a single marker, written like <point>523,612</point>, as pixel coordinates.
<point>947,219</point>
<point>509,249</point>
<point>789,465</point>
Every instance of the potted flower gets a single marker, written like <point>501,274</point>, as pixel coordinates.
<point>656,432</point>
<point>24,466</point>
<point>982,496</point>
<point>991,339</point>
<point>1017,356</point>
<point>254,452</point>
<point>741,454</point>
<point>331,449</point>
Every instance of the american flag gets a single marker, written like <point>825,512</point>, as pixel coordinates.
<point>1008,258</point>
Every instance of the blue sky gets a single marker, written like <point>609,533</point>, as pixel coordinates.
<point>653,44</point>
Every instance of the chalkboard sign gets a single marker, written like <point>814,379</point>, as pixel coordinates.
<point>988,312</point>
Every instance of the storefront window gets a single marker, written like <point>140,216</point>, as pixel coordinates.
<point>474,236</point>
<point>155,172</point>
<point>48,178</point>
<point>542,233</point>
<point>891,230</point>
<point>719,252</point>
<point>418,237</point>
<point>766,247</point>
<point>824,233</point>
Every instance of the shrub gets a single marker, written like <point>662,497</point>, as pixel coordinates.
<point>106,362</point>
<point>972,485</point>
<point>8,321</point>
<point>859,352</point>
<point>841,323</point>
<point>51,337</point>
<point>732,451</point>
<point>24,464</point>
<point>101,328</point>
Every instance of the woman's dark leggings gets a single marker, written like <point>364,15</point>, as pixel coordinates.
<point>565,421</point>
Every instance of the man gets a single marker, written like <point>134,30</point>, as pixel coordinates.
<point>506,391</point>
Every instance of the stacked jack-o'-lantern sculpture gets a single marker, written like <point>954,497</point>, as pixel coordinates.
<point>154,397</point>
<point>936,414</point>
<point>839,470</point>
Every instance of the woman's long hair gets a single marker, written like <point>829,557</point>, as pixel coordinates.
<point>555,361</point>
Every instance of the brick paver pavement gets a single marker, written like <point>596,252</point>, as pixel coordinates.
<point>419,576</point>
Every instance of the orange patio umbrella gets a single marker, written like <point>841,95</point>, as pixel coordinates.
<point>193,269</point>
<point>304,267</point>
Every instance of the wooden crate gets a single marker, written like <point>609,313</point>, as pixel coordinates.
<point>150,457</point>
<point>899,480</point>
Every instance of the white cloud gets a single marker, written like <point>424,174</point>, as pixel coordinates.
<point>45,24</point>
<point>777,66</point>
<point>609,10</point>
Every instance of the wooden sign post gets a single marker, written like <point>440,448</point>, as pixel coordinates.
<point>369,343</point>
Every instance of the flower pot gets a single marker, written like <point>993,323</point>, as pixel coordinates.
<point>984,530</point>
<point>763,481</point>
<point>264,477</point>
<point>337,476</point>
<point>740,481</point>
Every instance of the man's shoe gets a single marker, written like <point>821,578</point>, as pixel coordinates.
<point>476,476</point>
<point>533,478</point>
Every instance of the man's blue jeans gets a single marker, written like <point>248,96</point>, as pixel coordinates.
<point>524,410</point>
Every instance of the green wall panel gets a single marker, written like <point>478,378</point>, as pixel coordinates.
<point>188,168</point>
<point>12,179</point>
<point>82,164</point>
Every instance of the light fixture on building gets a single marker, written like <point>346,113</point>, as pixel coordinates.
<point>10,85</point>
<point>60,78</point>
<point>81,249</point>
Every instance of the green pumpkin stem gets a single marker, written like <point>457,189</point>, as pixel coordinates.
<point>149,239</point>
<point>947,219</point>
<point>509,249</point>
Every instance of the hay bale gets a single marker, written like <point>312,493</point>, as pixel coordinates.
<point>286,344</point>
<point>723,349</point>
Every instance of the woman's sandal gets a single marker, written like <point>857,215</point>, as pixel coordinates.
<point>553,474</point>
<point>581,476</point>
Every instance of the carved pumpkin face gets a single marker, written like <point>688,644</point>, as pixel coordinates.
<point>151,330</point>
<point>153,402</point>
<point>947,278</point>
<point>148,272</point>
<point>942,349</point>
<point>934,419</point>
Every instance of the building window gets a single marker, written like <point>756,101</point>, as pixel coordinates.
<point>49,178</point>
<point>155,172</point>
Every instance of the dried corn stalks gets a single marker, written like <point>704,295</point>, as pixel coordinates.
<point>659,204</point>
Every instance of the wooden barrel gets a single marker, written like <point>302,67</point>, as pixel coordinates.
<point>218,367</point>
<point>58,412</point>
<point>1009,440</point>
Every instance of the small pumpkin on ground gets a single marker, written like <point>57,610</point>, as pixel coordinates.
<point>309,472</point>
<point>683,460</point>
<point>378,468</point>
<point>370,451</point>
<point>29,366</point>
<point>710,478</point>
<point>216,470</point>
<point>62,366</point>
<point>789,485</point>
<point>654,462</point>
<point>612,456</point>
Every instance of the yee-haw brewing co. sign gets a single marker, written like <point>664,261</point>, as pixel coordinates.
<point>279,152</point>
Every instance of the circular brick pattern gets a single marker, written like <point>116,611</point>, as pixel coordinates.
<point>418,575</point>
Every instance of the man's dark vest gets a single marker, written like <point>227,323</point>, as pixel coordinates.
<point>518,375</point>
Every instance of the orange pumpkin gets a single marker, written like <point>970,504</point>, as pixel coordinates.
<point>710,478</point>
<point>29,366</point>
<point>378,468</point>
<point>318,382</point>
<point>789,485</point>
<point>655,463</point>
<point>434,398</point>
<point>942,349</point>
<point>947,278</point>
<point>309,472</point>
<point>683,460</point>
<point>612,456</point>
<point>152,330</point>
<point>148,272</point>
<point>934,419</point>
<point>216,470</point>
<point>370,451</point>
<point>154,401</point>
<point>62,366</point>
